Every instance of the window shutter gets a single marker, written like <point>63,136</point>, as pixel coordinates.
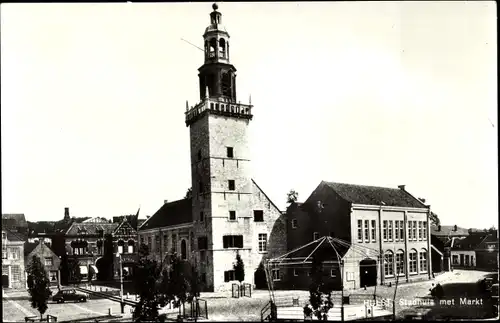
<point>239,241</point>
<point>226,275</point>
<point>225,241</point>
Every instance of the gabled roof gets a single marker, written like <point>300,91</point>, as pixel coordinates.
<point>469,243</point>
<point>14,236</point>
<point>90,228</point>
<point>267,197</point>
<point>448,231</point>
<point>123,224</point>
<point>14,220</point>
<point>169,214</point>
<point>374,195</point>
<point>29,247</point>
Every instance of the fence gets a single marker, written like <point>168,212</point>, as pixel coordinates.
<point>247,290</point>
<point>236,291</point>
<point>195,309</point>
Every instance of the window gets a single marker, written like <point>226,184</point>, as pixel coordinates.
<point>401,230</point>
<point>230,152</point>
<point>16,273</point>
<point>4,236</point>
<point>142,239</point>
<point>199,154</point>
<point>294,223</point>
<point>231,184</point>
<point>202,243</point>
<point>14,253</point>
<point>120,249</point>
<point>4,253</point>
<point>174,243</point>
<point>200,185</point>
<point>229,275</point>
<point>202,216</point>
<point>412,265</point>
<point>360,230</point>
<point>276,274</point>
<point>424,233</point>
<point>455,260</point>
<point>204,278</point>
<point>409,230</point>
<point>423,261</point>
<point>262,242</point>
<point>295,272</point>
<point>48,261</point>
<point>232,215</point>
<point>258,216</point>
<point>53,276</point>
<point>150,245</point>
<point>165,242</point>
<point>400,263</point>
<point>419,230</point>
<point>309,273</point>
<point>374,231</point>
<point>232,241</point>
<point>183,249</point>
<point>157,242</point>
<point>390,230</point>
<point>396,231</point>
<point>367,230</point>
<point>385,230</point>
<point>130,248</point>
<point>333,273</point>
<point>414,230</point>
<point>389,264</point>
<point>315,236</point>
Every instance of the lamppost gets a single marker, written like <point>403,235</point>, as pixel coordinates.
<point>118,255</point>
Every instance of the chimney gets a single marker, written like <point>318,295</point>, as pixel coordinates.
<point>455,228</point>
<point>66,213</point>
<point>402,187</point>
<point>439,227</point>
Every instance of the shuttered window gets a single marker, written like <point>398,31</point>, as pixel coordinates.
<point>232,241</point>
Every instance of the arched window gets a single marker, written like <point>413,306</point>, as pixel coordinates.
<point>183,249</point>
<point>120,246</point>
<point>389,264</point>
<point>226,84</point>
<point>131,245</point>
<point>423,260</point>
<point>212,47</point>
<point>400,262</point>
<point>412,264</point>
<point>222,48</point>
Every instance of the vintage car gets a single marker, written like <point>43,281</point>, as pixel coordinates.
<point>69,295</point>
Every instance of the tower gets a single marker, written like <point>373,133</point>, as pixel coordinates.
<point>221,183</point>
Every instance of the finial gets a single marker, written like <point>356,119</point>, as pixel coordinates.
<point>215,6</point>
<point>250,100</point>
<point>187,105</point>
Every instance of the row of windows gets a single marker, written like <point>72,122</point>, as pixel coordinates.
<point>10,253</point>
<point>392,230</point>
<point>417,262</point>
<point>230,275</point>
<point>464,260</point>
<point>258,216</point>
<point>231,186</point>
<point>229,153</point>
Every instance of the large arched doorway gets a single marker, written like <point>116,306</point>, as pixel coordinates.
<point>260,277</point>
<point>183,250</point>
<point>367,272</point>
<point>102,269</point>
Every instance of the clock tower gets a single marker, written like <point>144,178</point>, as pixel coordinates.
<point>221,183</point>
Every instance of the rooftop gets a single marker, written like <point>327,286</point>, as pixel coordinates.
<point>169,214</point>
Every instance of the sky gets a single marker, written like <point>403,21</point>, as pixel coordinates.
<point>373,93</point>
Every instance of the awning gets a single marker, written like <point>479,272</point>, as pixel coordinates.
<point>84,270</point>
<point>94,268</point>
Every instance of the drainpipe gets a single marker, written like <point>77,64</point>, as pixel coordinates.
<point>407,256</point>
<point>382,257</point>
<point>428,237</point>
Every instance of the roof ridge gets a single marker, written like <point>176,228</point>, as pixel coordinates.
<point>385,187</point>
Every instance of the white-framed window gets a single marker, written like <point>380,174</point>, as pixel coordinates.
<point>396,231</point>
<point>401,230</point>
<point>276,274</point>
<point>49,261</point>
<point>400,263</point>
<point>423,260</point>
<point>120,249</point>
<point>14,253</point>
<point>295,272</point>
<point>360,230</point>
<point>414,230</point>
<point>367,230</point>
<point>390,230</point>
<point>455,260</point>
<point>424,233</point>
<point>315,236</point>
<point>349,276</point>
<point>410,236</point>
<point>262,242</point>
<point>130,248</point>
<point>384,230</point>
<point>374,231</point>
<point>294,223</point>
<point>333,273</point>
<point>232,215</point>
<point>419,230</point>
<point>389,264</point>
<point>412,265</point>
<point>16,273</point>
<point>4,253</point>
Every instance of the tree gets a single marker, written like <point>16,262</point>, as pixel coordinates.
<point>434,219</point>
<point>148,274</point>
<point>143,251</point>
<point>38,285</point>
<point>73,270</point>
<point>239,269</point>
<point>292,196</point>
<point>178,286</point>
<point>108,258</point>
<point>189,193</point>
<point>320,294</point>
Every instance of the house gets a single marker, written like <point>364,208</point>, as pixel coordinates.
<point>47,256</point>
<point>228,213</point>
<point>15,222</point>
<point>441,240</point>
<point>379,232</point>
<point>13,259</point>
<point>478,250</point>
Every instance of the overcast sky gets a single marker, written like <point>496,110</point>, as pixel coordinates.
<point>376,93</point>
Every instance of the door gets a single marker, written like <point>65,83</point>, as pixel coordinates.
<point>5,281</point>
<point>462,260</point>
<point>367,272</point>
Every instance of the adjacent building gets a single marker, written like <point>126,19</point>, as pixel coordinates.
<point>382,236</point>
<point>478,250</point>
<point>13,268</point>
<point>47,256</point>
<point>228,212</point>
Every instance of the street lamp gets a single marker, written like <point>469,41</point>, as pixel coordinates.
<point>118,255</point>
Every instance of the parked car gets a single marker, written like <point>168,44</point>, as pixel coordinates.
<point>69,295</point>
